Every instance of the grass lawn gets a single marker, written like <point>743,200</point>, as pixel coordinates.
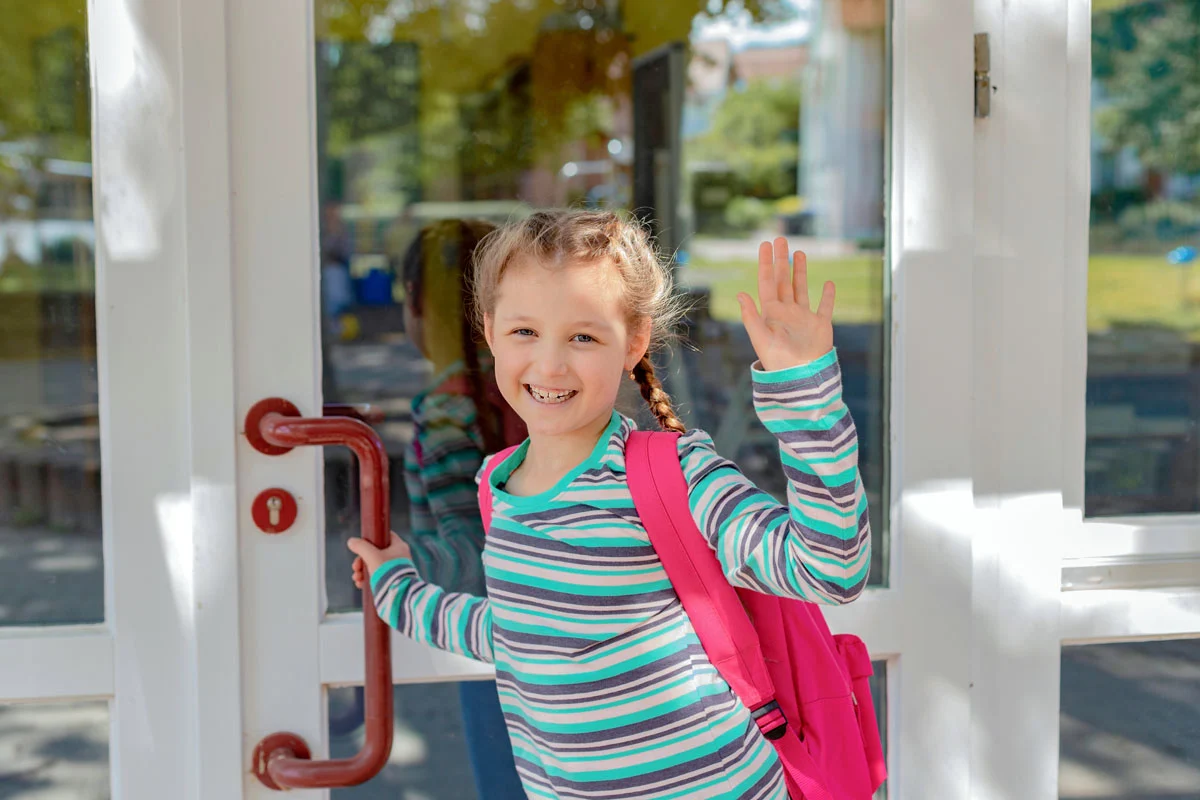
<point>1143,289</point>
<point>1128,289</point>
<point>859,282</point>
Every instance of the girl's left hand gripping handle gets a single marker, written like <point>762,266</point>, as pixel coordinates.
<point>282,760</point>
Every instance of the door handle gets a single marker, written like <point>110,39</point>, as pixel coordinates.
<point>283,760</point>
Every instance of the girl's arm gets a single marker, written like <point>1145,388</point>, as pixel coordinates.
<point>818,547</point>
<point>451,621</point>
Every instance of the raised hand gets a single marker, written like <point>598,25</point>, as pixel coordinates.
<point>787,332</point>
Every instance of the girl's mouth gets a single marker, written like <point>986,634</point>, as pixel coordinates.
<point>549,396</point>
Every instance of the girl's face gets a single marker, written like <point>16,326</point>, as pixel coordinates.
<point>562,344</point>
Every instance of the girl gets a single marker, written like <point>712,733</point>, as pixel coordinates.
<point>459,419</point>
<point>606,690</point>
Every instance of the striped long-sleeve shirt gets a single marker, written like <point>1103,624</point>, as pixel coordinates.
<point>606,690</point>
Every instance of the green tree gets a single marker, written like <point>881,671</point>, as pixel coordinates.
<point>756,132</point>
<point>1147,57</point>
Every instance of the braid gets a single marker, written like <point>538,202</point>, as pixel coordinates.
<point>658,400</point>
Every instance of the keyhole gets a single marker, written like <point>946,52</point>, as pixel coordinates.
<point>274,505</point>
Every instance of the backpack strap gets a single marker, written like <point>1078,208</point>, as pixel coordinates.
<point>485,485</point>
<point>660,493</point>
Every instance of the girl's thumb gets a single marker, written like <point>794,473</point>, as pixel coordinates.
<point>358,546</point>
<point>750,316</point>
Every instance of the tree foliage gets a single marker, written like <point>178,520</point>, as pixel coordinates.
<point>1147,58</point>
<point>756,133</point>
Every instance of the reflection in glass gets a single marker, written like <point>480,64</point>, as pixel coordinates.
<point>1130,722</point>
<point>1143,386</point>
<point>429,754</point>
<point>719,127</point>
<point>50,554</point>
<point>54,750</point>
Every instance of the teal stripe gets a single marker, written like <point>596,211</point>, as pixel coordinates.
<point>797,372</point>
<point>841,478</point>
<point>808,408</point>
<point>498,572</point>
<point>824,423</point>
<point>619,667</point>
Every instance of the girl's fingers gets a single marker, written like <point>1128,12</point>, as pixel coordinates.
<point>755,325</point>
<point>800,279</point>
<point>783,274</point>
<point>825,310</point>
<point>766,273</point>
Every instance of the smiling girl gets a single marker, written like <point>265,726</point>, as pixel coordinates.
<point>606,690</point>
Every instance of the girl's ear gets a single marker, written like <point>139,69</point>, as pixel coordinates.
<point>639,343</point>
<point>487,330</point>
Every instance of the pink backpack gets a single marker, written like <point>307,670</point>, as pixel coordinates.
<point>807,689</point>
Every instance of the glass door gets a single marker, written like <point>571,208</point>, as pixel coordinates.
<point>719,127</point>
<point>1087,587</point>
<point>54,722</point>
<point>119,660</point>
<point>1131,570</point>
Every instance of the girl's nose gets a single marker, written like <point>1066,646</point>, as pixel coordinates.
<point>555,368</point>
<point>554,362</point>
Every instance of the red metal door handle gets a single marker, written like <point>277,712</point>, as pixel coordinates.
<point>282,760</point>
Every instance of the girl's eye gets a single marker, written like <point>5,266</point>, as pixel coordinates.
<point>523,332</point>
<point>583,338</point>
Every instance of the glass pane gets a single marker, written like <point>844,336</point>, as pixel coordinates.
<point>1130,724</point>
<point>1143,387</point>
<point>54,751</point>
<point>784,130</point>
<point>879,695</point>
<point>429,754</point>
<point>727,127</point>
<point>50,554</point>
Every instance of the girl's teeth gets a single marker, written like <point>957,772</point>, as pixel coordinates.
<point>550,397</point>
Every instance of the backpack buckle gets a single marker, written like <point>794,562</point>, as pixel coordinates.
<point>770,719</point>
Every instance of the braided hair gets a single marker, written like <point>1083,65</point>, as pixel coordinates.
<point>656,397</point>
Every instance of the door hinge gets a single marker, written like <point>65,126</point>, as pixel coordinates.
<point>983,76</point>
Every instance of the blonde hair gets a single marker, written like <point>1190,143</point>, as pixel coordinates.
<point>558,238</point>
